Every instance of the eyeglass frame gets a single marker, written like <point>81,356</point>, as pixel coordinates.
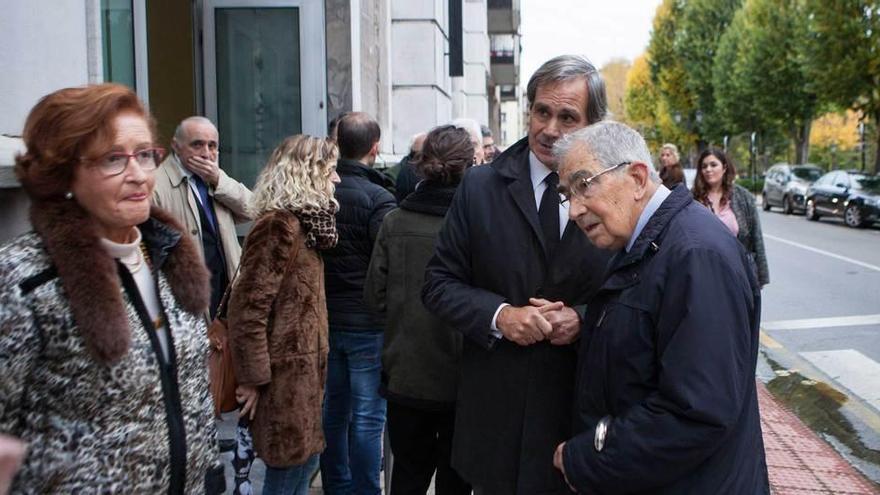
<point>159,154</point>
<point>568,193</point>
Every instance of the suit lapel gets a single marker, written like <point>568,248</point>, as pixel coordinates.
<point>523,195</point>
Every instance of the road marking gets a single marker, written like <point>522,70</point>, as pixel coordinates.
<point>768,341</point>
<point>826,253</point>
<point>837,321</point>
<point>852,369</point>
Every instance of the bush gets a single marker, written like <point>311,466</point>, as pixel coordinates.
<point>755,186</point>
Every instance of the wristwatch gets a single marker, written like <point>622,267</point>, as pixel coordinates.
<point>601,433</point>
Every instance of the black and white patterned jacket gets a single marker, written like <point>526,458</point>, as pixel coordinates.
<point>81,378</point>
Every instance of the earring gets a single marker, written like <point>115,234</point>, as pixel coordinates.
<point>68,195</point>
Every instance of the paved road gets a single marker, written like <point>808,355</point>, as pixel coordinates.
<point>821,326</point>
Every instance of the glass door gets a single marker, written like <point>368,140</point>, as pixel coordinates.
<point>264,77</point>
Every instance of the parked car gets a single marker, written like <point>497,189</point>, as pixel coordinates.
<point>854,196</point>
<point>786,186</point>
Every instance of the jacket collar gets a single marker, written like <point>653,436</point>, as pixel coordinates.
<point>353,167</point>
<point>171,165</point>
<point>429,198</point>
<point>649,239</point>
<point>510,163</point>
<point>90,278</point>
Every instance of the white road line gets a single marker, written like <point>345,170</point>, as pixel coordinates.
<point>837,321</point>
<point>826,253</point>
<point>852,369</point>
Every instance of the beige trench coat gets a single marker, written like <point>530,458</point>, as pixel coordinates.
<point>173,193</point>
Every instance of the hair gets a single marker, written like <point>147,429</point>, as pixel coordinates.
<point>64,127</point>
<point>297,175</point>
<point>180,131</point>
<point>672,149</point>
<point>472,127</point>
<point>610,143</point>
<point>334,123</point>
<point>356,133</point>
<point>484,129</point>
<point>701,189</point>
<point>446,154</point>
<point>567,68</point>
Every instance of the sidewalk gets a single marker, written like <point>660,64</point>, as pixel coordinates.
<point>799,461</point>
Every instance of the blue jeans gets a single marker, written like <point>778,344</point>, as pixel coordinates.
<point>293,480</point>
<point>354,414</point>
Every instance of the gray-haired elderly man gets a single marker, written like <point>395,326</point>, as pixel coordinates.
<point>665,389</point>
<point>509,272</point>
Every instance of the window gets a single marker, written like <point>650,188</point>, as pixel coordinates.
<point>117,33</point>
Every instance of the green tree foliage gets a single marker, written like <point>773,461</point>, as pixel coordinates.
<point>844,44</point>
<point>682,47</point>
<point>760,75</point>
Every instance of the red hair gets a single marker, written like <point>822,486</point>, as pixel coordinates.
<point>66,125</point>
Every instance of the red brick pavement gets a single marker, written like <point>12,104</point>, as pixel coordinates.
<point>799,461</point>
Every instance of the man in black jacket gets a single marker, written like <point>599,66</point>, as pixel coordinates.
<point>354,413</point>
<point>666,398</point>
<point>508,272</point>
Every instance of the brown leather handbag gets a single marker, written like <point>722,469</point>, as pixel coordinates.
<point>220,371</point>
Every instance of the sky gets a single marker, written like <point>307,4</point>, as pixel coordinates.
<point>601,30</point>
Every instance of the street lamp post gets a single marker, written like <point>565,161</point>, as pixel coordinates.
<point>862,141</point>
<point>753,151</point>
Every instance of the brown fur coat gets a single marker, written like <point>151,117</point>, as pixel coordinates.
<point>278,338</point>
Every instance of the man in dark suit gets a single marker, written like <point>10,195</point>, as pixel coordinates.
<point>512,274</point>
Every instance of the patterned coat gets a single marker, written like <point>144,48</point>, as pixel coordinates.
<point>81,381</point>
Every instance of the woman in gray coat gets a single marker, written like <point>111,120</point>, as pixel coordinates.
<point>734,205</point>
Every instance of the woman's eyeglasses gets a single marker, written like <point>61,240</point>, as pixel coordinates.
<point>115,162</point>
<point>583,185</point>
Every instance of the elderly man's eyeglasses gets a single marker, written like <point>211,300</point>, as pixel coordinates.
<point>582,186</point>
<point>115,162</point>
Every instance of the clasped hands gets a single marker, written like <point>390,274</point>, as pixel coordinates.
<point>541,320</point>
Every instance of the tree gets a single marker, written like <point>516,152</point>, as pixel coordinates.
<point>698,31</point>
<point>667,72</point>
<point>845,55</point>
<point>760,72</point>
<point>614,73</point>
<point>646,111</point>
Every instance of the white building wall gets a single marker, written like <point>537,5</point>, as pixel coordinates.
<point>474,99</point>
<point>421,86</point>
<point>513,124</point>
<point>43,47</point>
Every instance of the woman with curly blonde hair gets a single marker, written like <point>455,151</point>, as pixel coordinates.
<point>278,314</point>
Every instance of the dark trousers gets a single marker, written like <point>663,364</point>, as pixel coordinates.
<point>421,442</point>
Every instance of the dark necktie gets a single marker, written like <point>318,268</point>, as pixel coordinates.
<point>548,212</point>
<point>205,202</point>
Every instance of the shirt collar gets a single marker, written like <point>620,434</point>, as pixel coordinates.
<point>654,203</point>
<point>537,170</point>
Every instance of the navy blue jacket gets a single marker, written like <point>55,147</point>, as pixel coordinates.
<point>363,203</point>
<point>668,351</point>
<point>514,402</point>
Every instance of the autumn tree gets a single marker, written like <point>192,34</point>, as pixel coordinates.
<point>614,73</point>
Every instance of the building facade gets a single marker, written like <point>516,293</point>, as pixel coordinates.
<point>260,69</point>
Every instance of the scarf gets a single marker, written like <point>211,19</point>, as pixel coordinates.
<point>320,226</point>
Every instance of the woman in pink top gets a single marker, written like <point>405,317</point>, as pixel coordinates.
<point>732,204</point>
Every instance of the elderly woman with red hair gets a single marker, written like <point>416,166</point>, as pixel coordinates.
<point>102,343</point>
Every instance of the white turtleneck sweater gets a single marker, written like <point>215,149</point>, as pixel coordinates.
<point>132,258</point>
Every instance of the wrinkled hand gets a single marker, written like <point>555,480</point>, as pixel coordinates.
<point>12,452</point>
<point>558,464</point>
<point>248,396</point>
<point>527,324</point>
<point>565,321</point>
<point>208,170</point>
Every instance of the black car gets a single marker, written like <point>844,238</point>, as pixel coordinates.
<point>786,186</point>
<point>854,196</point>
